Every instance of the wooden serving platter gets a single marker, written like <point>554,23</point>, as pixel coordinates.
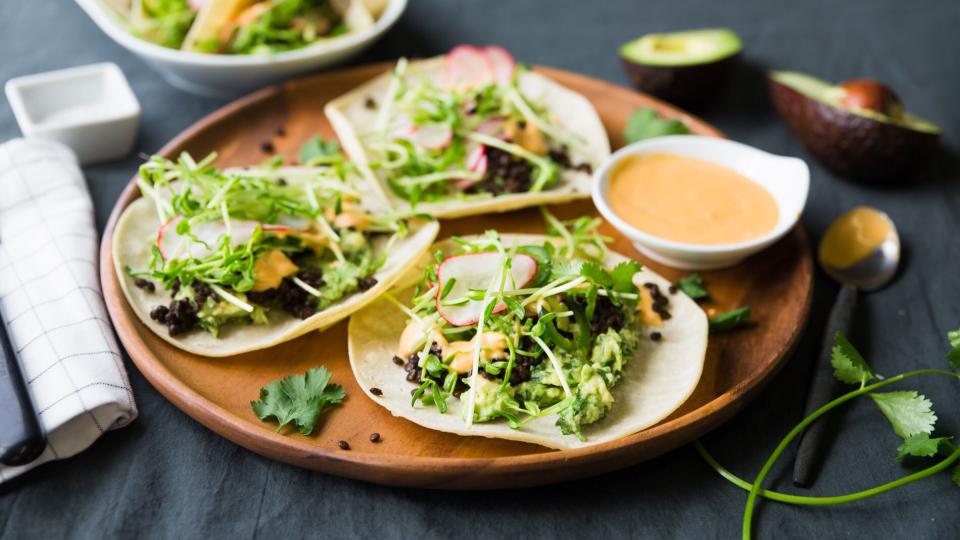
<point>217,392</point>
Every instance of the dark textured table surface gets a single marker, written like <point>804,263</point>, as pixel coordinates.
<point>167,476</point>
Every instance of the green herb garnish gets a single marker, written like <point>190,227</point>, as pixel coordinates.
<point>299,399</point>
<point>728,320</point>
<point>910,415</point>
<point>316,149</point>
<point>692,286</point>
<point>646,123</point>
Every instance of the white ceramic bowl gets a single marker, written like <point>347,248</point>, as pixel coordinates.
<point>786,178</point>
<point>221,75</point>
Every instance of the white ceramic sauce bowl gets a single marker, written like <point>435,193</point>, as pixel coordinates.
<point>223,75</point>
<point>786,178</point>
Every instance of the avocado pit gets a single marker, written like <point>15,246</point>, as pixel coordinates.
<point>871,95</point>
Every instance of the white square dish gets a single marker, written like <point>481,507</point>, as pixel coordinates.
<point>89,108</point>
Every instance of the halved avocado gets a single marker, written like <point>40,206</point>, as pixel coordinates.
<point>858,129</point>
<point>686,68</point>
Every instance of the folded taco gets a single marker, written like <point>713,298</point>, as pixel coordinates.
<point>546,340</point>
<point>223,262</point>
<point>470,132</point>
<point>271,26</point>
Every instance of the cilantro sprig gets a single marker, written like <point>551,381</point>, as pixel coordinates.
<point>909,413</point>
<point>646,123</point>
<point>729,320</point>
<point>299,399</point>
<point>693,287</point>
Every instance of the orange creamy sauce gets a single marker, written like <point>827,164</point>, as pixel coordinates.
<point>690,200</point>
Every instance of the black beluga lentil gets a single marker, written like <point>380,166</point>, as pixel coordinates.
<point>660,302</point>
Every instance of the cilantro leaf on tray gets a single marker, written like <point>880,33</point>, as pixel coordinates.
<point>692,286</point>
<point>728,320</point>
<point>299,399</point>
<point>317,147</point>
<point>646,123</point>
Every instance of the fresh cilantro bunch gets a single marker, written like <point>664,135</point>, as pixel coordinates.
<point>299,399</point>
<point>910,415</point>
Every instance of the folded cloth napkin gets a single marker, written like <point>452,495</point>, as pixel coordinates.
<point>51,301</point>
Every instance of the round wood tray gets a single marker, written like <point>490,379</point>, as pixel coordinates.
<point>217,392</point>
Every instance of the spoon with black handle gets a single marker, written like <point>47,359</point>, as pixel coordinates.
<point>867,239</point>
<point>21,438</point>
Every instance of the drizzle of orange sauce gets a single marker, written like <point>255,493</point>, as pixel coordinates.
<point>690,200</point>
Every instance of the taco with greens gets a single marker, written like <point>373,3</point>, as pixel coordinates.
<point>244,26</point>
<point>223,262</point>
<point>550,340</point>
<point>469,133</point>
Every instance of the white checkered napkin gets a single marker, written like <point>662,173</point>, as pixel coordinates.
<point>51,302</point>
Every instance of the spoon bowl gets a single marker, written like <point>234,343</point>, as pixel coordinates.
<point>861,248</point>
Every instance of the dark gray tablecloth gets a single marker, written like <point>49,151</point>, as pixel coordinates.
<point>167,476</point>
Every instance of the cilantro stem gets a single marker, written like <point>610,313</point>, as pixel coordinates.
<point>824,501</point>
<point>756,487</point>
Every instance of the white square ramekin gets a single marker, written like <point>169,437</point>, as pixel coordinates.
<point>89,108</point>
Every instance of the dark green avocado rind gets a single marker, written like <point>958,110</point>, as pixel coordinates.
<point>690,86</point>
<point>852,144</point>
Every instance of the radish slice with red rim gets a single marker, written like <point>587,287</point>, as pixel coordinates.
<point>477,159</point>
<point>491,126</point>
<point>476,163</point>
<point>503,63</point>
<point>402,127</point>
<point>466,66</point>
<point>208,233</point>
<point>432,136</point>
<point>478,271</point>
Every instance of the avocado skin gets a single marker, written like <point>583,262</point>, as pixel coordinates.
<point>851,145</point>
<point>687,86</point>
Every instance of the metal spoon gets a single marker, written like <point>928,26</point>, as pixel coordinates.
<point>860,250</point>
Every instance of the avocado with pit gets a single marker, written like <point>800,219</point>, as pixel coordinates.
<point>859,129</point>
<point>686,68</point>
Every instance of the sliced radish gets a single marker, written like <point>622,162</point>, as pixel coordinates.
<point>197,5</point>
<point>476,162</point>
<point>208,233</point>
<point>491,126</point>
<point>477,159</point>
<point>432,136</point>
<point>478,271</point>
<point>402,127</point>
<point>503,63</point>
<point>164,233</point>
<point>467,66</point>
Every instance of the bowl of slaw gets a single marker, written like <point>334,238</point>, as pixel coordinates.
<point>219,75</point>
